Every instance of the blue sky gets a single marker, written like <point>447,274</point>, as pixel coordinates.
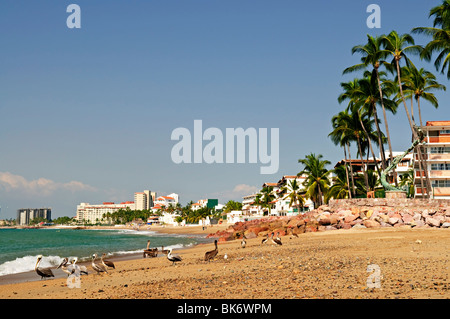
<point>86,114</point>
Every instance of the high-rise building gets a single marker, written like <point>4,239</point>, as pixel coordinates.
<point>144,200</point>
<point>25,215</point>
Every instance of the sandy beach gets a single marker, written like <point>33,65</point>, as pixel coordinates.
<point>412,263</point>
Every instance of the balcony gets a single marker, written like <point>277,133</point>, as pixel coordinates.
<point>438,140</point>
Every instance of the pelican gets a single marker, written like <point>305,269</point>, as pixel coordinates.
<point>213,253</point>
<point>173,258</point>
<point>98,268</point>
<point>292,233</point>
<point>277,240</point>
<point>63,266</point>
<point>243,242</point>
<point>264,241</point>
<point>43,272</point>
<point>107,263</point>
<point>164,251</point>
<point>150,252</point>
<point>83,269</point>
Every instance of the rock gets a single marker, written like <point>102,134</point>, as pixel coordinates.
<point>393,220</point>
<point>324,221</point>
<point>445,225</point>
<point>432,222</point>
<point>350,218</point>
<point>407,219</point>
<point>357,226</point>
<point>369,223</point>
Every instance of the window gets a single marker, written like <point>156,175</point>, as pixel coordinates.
<point>444,183</point>
<point>439,150</point>
<point>444,132</point>
<point>440,167</point>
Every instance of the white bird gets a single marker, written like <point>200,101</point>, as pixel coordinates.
<point>83,270</point>
<point>98,268</point>
<point>277,240</point>
<point>243,242</point>
<point>173,258</point>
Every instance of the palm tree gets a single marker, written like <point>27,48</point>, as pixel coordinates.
<point>420,83</point>
<point>407,179</point>
<point>399,46</point>
<point>293,191</point>
<point>266,197</point>
<point>339,189</point>
<point>317,181</point>
<point>341,135</point>
<point>373,54</point>
<point>358,94</point>
<point>440,37</point>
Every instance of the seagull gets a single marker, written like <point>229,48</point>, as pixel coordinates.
<point>212,253</point>
<point>43,272</point>
<point>107,263</point>
<point>173,258</point>
<point>98,268</point>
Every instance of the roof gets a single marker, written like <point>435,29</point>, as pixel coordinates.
<point>438,123</point>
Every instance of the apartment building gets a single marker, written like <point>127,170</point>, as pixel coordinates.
<point>25,215</point>
<point>436,152</point>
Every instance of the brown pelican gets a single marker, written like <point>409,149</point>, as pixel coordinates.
<point>98,268</point>
<point>107,263</point>
<point>213,253</point>
<point>64,267</point>
<point>173,258</point>
<point>265,240</point>
<point>292,233</point>
<point>43,272</point>
<point>164,251</point>
<point>277,240</point>
<point>150,252</point>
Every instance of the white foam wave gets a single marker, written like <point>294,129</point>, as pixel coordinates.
<point>27,263</point>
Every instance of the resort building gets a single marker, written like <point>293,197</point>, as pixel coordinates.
<point>96,213</point>
<point>210,203</point>
<point>25,215</point>
<point>144,200</point>
<point>436,152</point>
<point>165,201</point>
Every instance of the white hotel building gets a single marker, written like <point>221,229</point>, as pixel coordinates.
<point>95,213</point>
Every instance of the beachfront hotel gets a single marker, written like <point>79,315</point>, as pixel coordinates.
<point>96,213</point>
<point>436,151</point>
<point>25,215</point>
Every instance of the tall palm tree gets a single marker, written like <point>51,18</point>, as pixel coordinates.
<point>341,135</point>
<point>440,33</point>
<point>399,46</point>
<point>293,191</point>
<point>374,55</point>
<point>420,84</point>
<point>361,103</point>
<point>317,181</point>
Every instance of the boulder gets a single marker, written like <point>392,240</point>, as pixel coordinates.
<point>370,223</point>
<point>432,222</point>
<point>407,219</point>
<point>393,220</point>
<point>446,225</point>
<point>350,218</point>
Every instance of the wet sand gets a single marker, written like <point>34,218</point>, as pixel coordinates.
<point>413,263</point>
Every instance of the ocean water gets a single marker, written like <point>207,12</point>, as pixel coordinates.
<point>19,248</point>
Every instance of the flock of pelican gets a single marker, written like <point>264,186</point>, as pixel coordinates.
<point>70,266</point>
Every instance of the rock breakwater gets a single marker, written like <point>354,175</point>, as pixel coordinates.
<point>347,214</point>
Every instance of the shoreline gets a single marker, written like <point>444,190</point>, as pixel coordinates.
<point>326,265</point>
<point>31,276</point>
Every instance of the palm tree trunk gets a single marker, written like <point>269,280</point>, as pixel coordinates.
<point>419,152</point>
<point>346,174</point>
<point>366,180</point>
<point>380,140</point>
<point>351,170</point>
<point>420,113</point>
<point>391,157</point>
<point>370,146</point>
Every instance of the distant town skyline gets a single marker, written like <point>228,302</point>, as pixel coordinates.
<point>86,114</point>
